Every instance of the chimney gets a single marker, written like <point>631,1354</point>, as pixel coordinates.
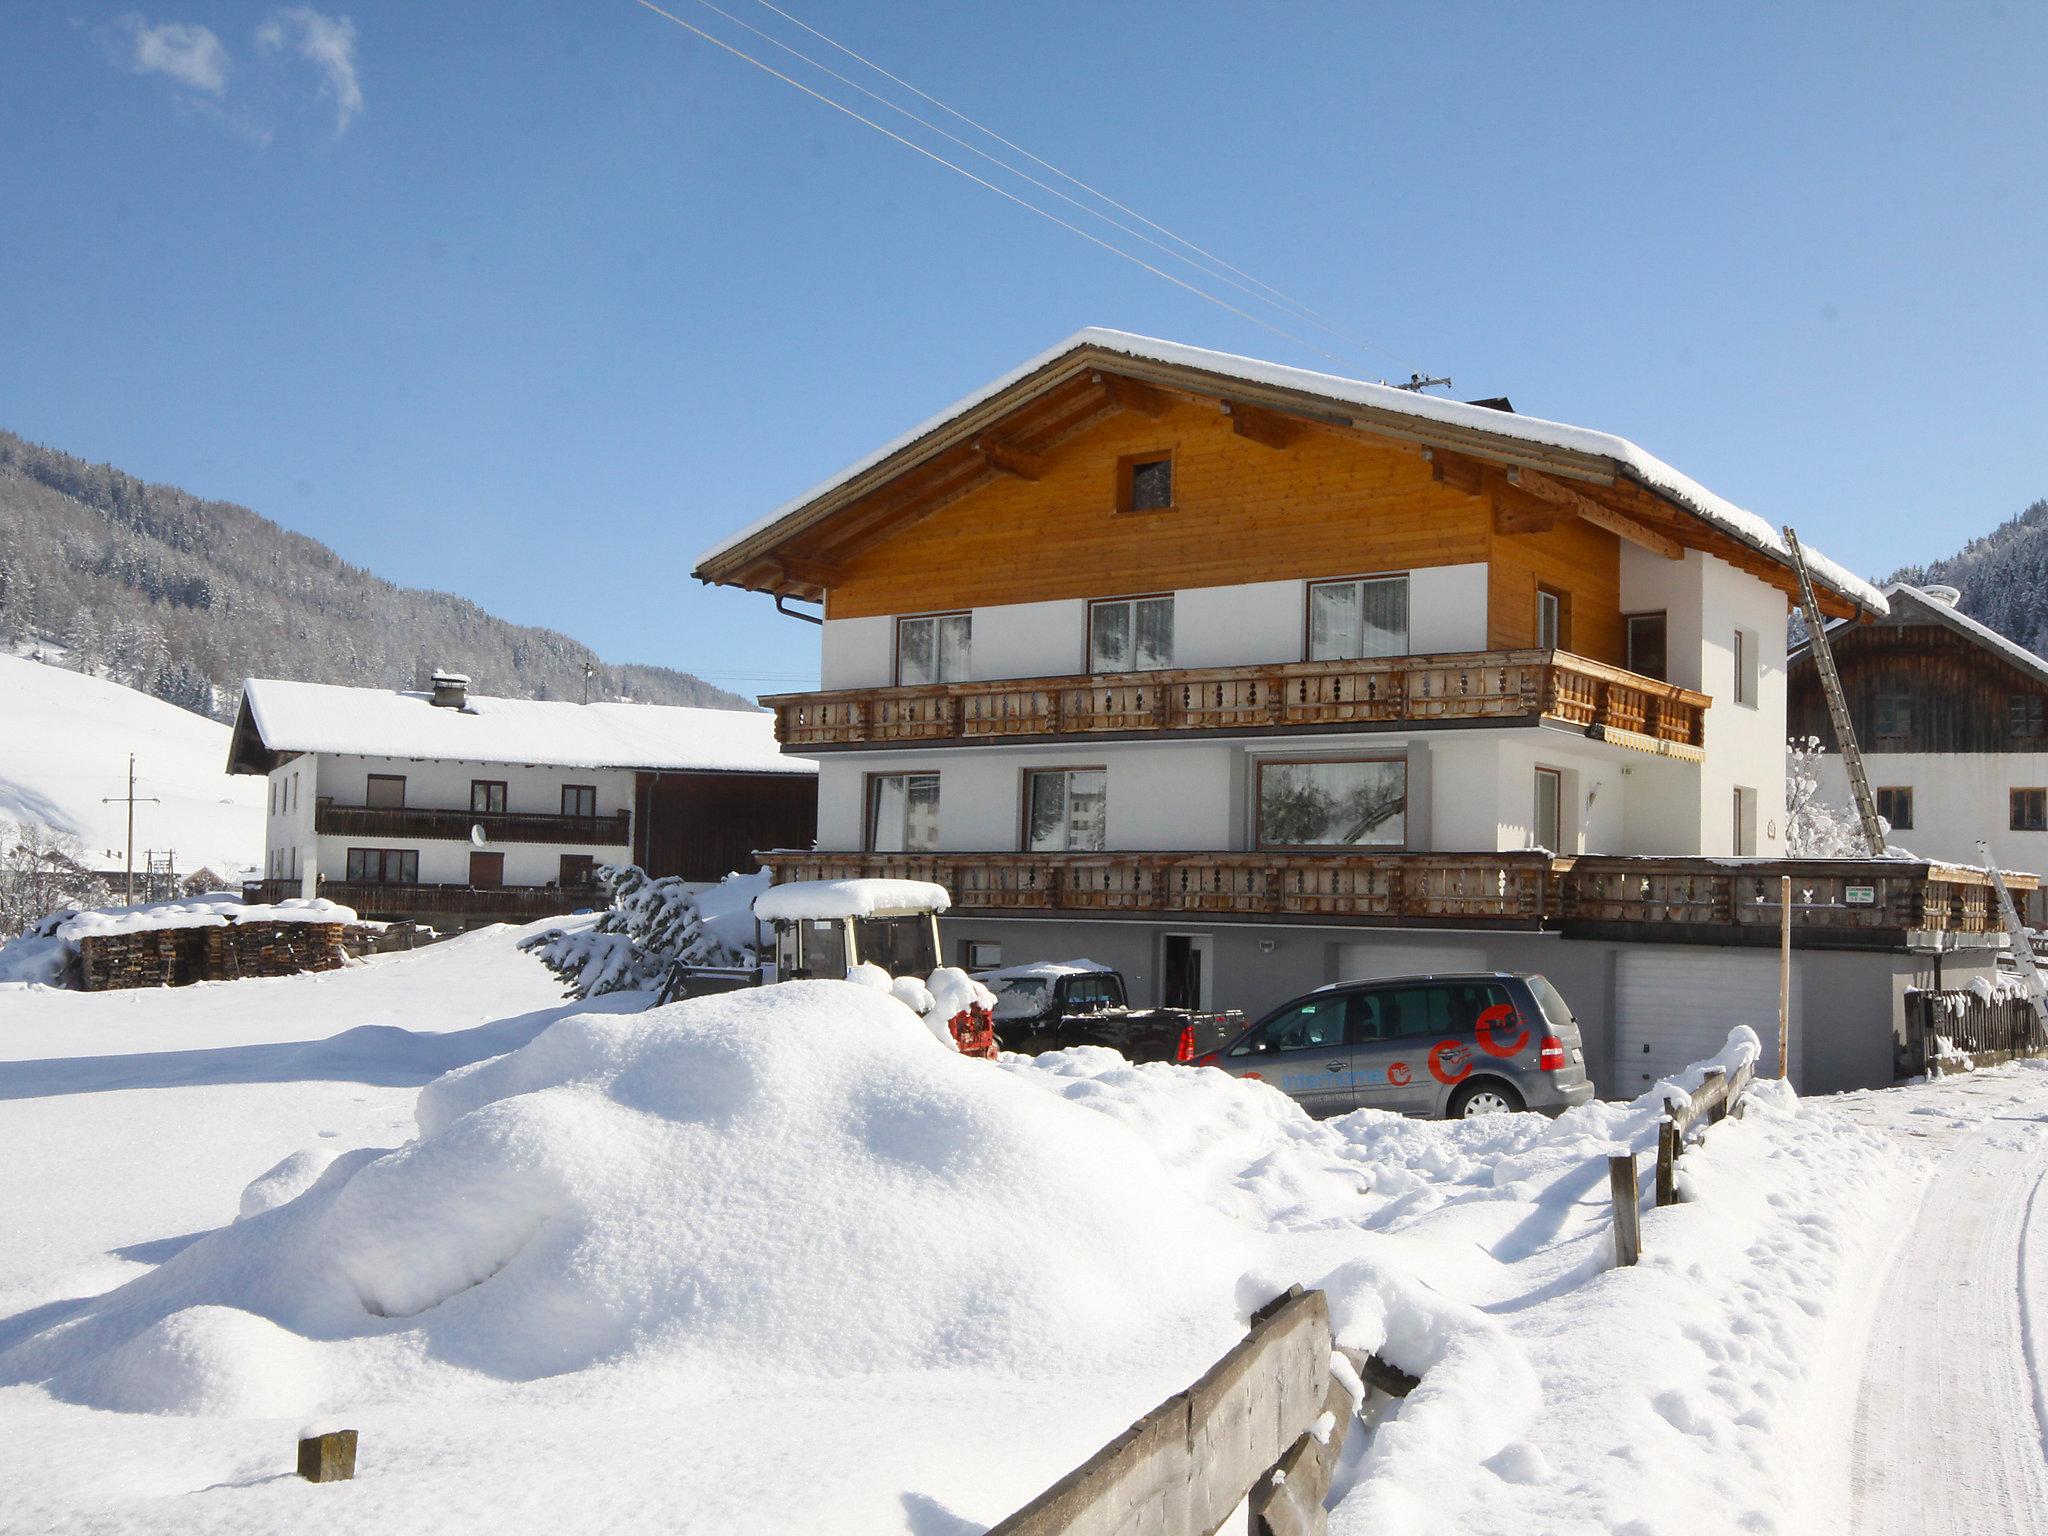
<point>451,690</point>
<point>1948,597</point>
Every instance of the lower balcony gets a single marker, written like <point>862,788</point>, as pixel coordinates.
<point>388,900</point>
<point>1844,902</point>
<point>405,821</point>
<point>1377,693</point>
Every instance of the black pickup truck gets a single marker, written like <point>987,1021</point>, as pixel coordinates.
<point>1052,1005</point>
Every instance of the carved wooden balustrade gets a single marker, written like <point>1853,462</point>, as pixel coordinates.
<point>1607,702</point>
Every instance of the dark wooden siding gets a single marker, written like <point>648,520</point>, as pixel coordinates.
<point>702,826</point>
<point>1957,694</point>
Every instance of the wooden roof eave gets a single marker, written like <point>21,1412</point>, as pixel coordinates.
<point>754,562</point>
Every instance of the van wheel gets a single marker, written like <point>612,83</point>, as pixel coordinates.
<point>1486,1098</point>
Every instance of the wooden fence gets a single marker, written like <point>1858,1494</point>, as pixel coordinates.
<point>1247,1429</point>
<point>1677,1129</point>
<point>1982,1031</point>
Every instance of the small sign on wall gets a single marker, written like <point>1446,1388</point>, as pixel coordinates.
<point>1859,895</point>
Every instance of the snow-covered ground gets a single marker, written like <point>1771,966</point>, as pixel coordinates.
<point>64,744</point>
<point>779,1261</point>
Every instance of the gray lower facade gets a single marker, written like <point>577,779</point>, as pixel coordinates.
<point>1645,1009</point>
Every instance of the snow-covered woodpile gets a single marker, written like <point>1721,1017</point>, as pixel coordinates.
<point>177,957</point>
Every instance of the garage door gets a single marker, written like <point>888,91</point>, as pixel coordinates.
<point>1400,956</point>
<point>1674,1009</point>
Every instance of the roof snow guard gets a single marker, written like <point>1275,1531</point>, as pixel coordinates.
<point>1094,369</point>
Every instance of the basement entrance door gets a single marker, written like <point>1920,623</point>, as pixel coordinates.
<point>1184,971</point>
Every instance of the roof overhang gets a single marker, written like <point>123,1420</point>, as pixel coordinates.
<point>1006,427</point>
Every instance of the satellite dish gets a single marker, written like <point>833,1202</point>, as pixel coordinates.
<point>476,834</point>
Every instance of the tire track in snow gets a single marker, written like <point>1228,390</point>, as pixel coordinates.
<point>1949,1423</point>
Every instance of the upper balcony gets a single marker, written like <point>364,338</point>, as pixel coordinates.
<point>1382,693</point>
<point>407,821</point>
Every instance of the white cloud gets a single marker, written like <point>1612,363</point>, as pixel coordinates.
<point>188,53</point>
<point>326,42</point>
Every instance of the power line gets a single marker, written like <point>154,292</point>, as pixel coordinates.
<point>1216,268</point>
<point>981,181</point>
<point>979,127</point>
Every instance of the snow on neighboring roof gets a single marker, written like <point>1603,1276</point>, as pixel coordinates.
<point>378,722</point>
<point>1644,467</point>
<point>802,900</point>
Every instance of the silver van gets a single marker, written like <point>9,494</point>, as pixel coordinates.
<point>1430,1046</point>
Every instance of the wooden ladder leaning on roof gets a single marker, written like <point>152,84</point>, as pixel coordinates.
<point>1838,709</point>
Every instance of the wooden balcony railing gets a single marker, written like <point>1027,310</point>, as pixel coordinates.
<point>1843,896</point>
<point>1607,702</point>
<point>1517,889</point>
<point>454,826</point>
<point>1670,899</point>
<point>376,899</point>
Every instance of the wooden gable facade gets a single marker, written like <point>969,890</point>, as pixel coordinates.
<point>1015,499</point>
<point>1914,683</point>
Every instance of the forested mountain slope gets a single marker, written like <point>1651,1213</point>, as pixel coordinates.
<point>2003,577</point>
<point>183,598</point>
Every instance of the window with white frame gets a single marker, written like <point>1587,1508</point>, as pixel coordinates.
<point>1354,619</point>
<point>1553,620</point>
<point>1065,810</point>
<point>1549,818</point>
<point>1333,803</point>
<point>1130,634</point>
<point>903,812</point>
<point>933,648</point>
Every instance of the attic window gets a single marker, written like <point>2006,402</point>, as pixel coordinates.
<point>1145,482</point>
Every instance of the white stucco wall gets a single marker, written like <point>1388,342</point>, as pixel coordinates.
<point>1958,797</point>
<point>1243,624</point>
<point>446,786</point>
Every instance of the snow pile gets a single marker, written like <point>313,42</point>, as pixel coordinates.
<point>792,1178</point>
<point>825,900</point>
<point>649,925</point>
<point>44,953</point>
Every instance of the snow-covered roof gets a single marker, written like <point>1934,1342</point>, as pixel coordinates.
<point>1926,605</point>
<point>825,900</point>
<point>1049,970</point>
<point>379,722</point>
<point>1644,468</point>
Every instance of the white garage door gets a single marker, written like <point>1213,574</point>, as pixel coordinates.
<point>1673,1009</point>
<point>1399,956</point>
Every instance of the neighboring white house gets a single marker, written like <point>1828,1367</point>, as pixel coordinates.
<point>1952,719</point>
<point>452,805</point>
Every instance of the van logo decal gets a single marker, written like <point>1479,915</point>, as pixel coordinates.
<point>1450,1061</point>
<point>1397,1074</point>
<point>1500,1013</point>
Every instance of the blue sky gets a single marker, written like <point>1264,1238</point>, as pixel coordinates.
<point>532,302</point>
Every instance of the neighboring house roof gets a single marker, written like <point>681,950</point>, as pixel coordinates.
<point>1912,605</point>
<point>279,716</point>
<point>1459,425</point>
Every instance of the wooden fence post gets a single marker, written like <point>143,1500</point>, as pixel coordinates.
<point>1628,1230</point>
<point>1667,1157</point>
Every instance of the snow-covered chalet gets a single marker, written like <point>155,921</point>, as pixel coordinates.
<point>456,808</point>
<point>1245,678</point>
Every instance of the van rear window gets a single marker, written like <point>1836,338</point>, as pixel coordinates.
<point>1552,1002</point>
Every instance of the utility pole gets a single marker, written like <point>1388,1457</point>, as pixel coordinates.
<point>128,885</point>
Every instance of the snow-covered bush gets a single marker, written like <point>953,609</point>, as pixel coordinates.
<point>649,925</point>
<point>42,874</point>
<point>1816,828</point>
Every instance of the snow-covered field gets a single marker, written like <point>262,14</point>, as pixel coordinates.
<point>64,744</point>
<point>779,1261</point>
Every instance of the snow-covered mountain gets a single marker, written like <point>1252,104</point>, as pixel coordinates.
<point>2003,577</point>
<point>64,744</point>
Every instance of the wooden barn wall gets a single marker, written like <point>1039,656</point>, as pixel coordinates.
<point>703,826</point>
<point>1324,505</point>
<point>1959,695</point>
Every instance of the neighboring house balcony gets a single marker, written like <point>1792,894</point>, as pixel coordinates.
<point>334,820</point>
<point>1375,694</point>
<point>388,899</point>
<point>1835,902</point>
